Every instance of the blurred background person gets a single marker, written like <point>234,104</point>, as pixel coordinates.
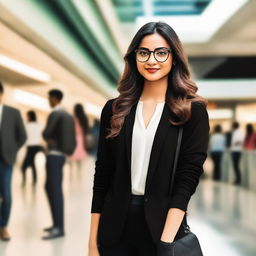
<point>59,134</point>
<point>34,133</point>
<point>12,137</point>
<point>228,136</point>
<point>236,147</point>
<point>249,145</point>
<point>250,138</point>
<point>217,146</point>
<point>81,130</point>
<point>95,134</point>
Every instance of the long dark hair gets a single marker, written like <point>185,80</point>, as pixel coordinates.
<point>181,90</point>
<point>82,117</point>
<point>31,114</point>
<point>249,132</point>
<point>217,128</point>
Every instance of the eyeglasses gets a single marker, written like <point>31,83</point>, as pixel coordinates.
<point>161,54</point>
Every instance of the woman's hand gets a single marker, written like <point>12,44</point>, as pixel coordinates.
<point>165,248</point>
<point>93,243</point>
<point>93,251</point>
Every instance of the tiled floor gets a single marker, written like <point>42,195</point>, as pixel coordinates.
<point>223,217</point>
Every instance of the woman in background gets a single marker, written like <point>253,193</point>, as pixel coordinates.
<point>81,129</point>
<point>217,147</point>
<point>34,133</point>
<point>249,147</point>
<point>250,138</point>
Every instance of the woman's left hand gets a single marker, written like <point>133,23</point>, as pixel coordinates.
<point>165,248</point>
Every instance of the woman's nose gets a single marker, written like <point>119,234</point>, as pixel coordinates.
<point>152,58</point>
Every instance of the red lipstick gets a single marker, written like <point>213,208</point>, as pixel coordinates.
<point>152,70</point>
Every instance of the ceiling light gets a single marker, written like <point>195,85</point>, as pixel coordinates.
<point>24,69</point>
<point>198,28</point>
<point>31,100</point>
<point>220,113</point>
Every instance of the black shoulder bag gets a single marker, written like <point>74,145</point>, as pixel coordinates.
<point>188,244</point>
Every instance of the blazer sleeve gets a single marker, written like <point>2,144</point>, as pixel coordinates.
<point>20,131</point>
<point>193,153</point>
<point>104,161</point>
<point>51,125</point>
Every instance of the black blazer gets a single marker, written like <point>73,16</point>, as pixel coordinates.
<point>112,179</point>
<point>59,132</point>
<point>12,134</point>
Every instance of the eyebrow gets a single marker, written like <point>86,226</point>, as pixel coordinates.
<point>144,48</point>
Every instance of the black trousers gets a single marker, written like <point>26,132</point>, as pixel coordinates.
<point>53,187</point>
<point>29,161</point>
<point>135,239</point>
<point>5,192</point>
<point>216,158</point>
<point>236,155</point>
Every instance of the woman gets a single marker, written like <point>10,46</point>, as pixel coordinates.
<point>81,128</point>
<point>236,148</point>
<point>217,147</point>
<point>132,209</point>
<point>250,138</point>
<point>249,146</point>
<point>34,133</point>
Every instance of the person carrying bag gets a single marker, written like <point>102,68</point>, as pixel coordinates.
<point>188,244</point>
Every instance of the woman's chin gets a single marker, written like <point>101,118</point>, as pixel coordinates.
<point>153,79</point>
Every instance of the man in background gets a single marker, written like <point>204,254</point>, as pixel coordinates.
<point>60,137</point>
<point>12,137</point>
<point>236,147</point>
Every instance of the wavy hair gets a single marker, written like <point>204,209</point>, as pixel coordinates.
<point>82,117</point>
<point>181,90</point>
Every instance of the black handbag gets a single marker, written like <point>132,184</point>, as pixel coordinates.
<point>186,244</point>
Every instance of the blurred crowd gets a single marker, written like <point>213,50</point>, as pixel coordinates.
<point>68,138</point>
<point>236,150</point>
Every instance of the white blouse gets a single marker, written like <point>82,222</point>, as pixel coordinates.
<point>142,140</point>
<point>34,133</point>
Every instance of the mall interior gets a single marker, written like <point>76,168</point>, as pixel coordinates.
<point>77,46</point>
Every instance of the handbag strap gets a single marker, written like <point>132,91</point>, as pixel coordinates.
<point>177,152</point>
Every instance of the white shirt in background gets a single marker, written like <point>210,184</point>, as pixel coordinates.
<point>237,140</point>
<point>217,142</point>
<point>34,133</point>
<point>142,140</point>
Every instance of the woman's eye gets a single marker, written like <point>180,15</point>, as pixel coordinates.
<point>162,53</point>
<point>143,53</point>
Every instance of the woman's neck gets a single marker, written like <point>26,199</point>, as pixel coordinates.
<point>154,90</point>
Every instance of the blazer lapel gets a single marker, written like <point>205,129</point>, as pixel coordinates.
<point>128,134</point>
<point>158,141</point>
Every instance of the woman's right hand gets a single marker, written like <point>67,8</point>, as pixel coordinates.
<point>93,251</point>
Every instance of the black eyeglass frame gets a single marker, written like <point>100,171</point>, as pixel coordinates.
<point>146,49</point>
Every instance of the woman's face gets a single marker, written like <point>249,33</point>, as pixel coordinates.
<point>161,69</point>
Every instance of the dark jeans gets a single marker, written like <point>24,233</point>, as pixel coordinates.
<point>135,239</point>
<point>29,161</point>
<point>5,193</point>
<point>216,158</point>
<point>53,186</point>
<point>236,155</point>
